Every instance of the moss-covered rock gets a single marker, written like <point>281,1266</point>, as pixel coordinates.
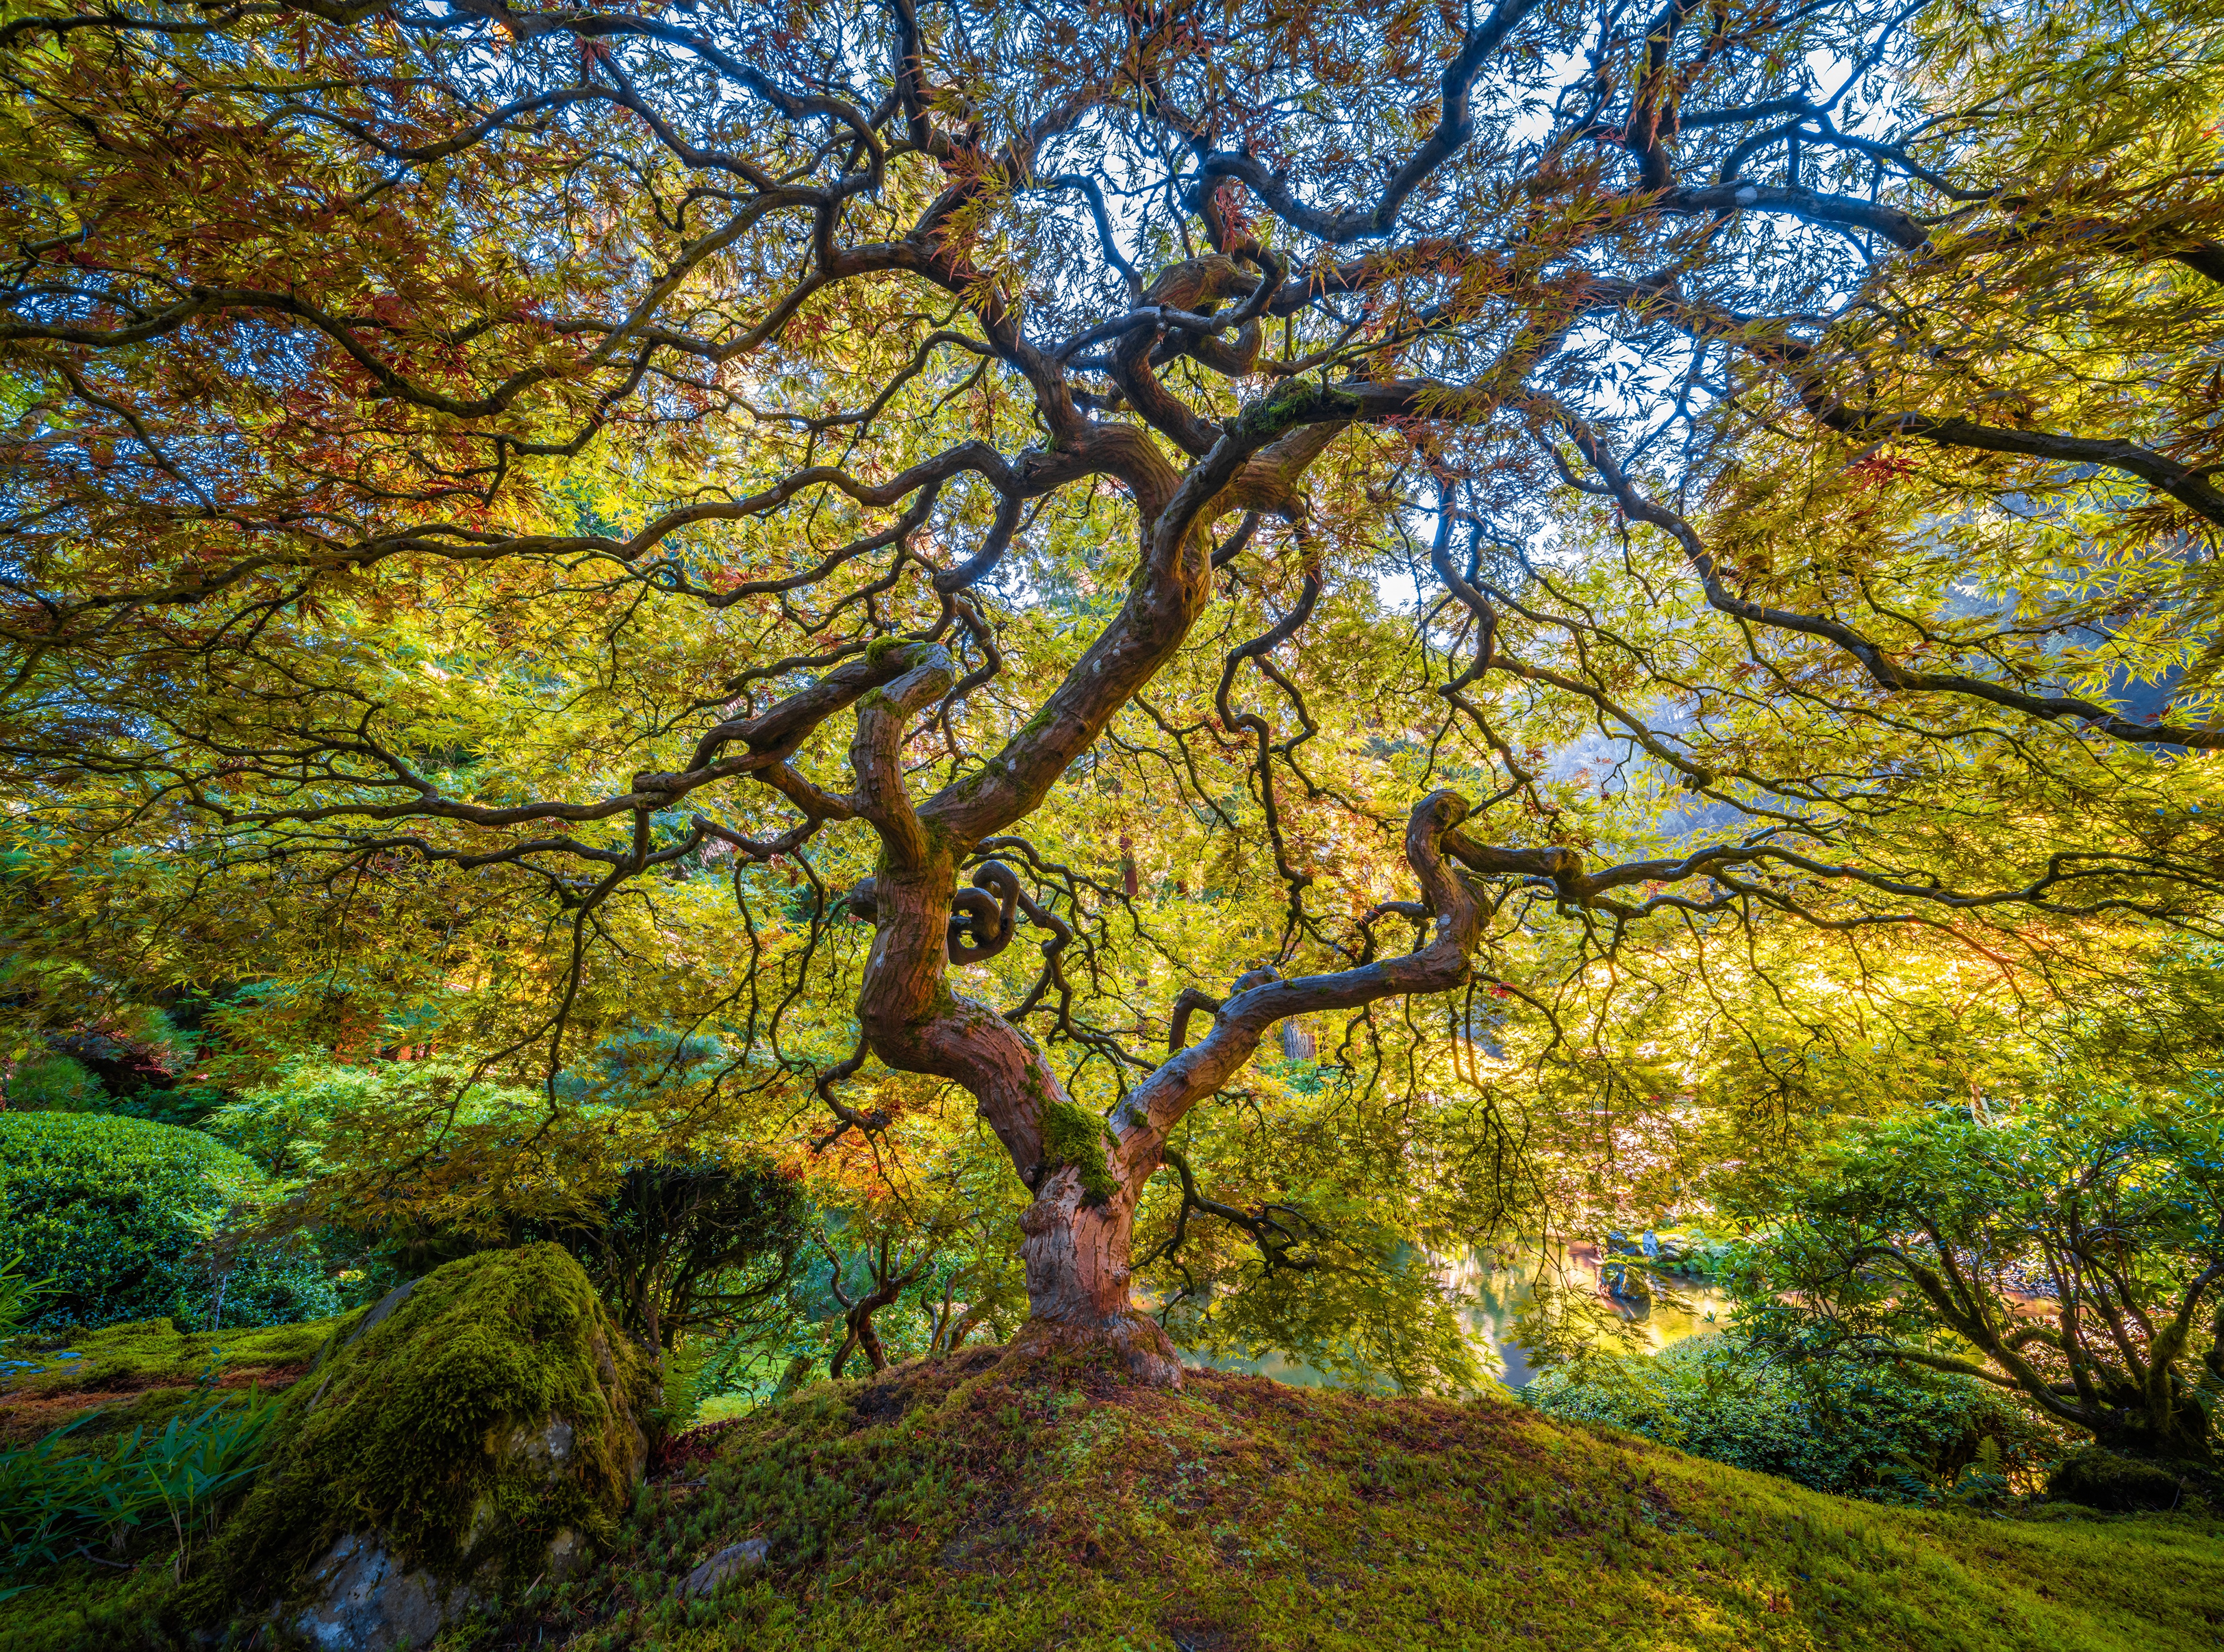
<point>2106,1480</point>
<point>477,1430</point>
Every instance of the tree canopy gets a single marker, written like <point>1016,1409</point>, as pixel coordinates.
<point>1304,559</point>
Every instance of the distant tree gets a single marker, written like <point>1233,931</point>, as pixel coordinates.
<point>886,1277</point>
<point>942,1234</point>
<point>2072,1255</point>
<point>686,1249</point>
<point>485,481</point>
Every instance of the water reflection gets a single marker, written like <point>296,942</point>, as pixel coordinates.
<point>1498,1282</point>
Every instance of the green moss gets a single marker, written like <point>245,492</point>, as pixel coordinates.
<point>139,1352</point>
<point>943,1003</point>
<point>881,647</point>
<point>943,845</point>
<point>965,1504</point>
<point>416,1430</point>
<point>1301,400</point>
<point>84,1607</point>
<point>147,1372</point>
<point>1074,1136</point>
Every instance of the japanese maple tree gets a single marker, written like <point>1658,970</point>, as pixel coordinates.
<point>1216,488</point>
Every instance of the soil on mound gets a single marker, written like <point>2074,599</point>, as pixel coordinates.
<point>967,1503</point>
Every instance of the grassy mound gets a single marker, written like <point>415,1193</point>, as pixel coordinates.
<point>957,1505</point>
<point>138,1375</point>
<point>954,1504</point>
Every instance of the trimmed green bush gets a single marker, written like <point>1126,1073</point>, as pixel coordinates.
<point>120,1213</point>
<point>2106,1480</point>
<point>1860,1430</point>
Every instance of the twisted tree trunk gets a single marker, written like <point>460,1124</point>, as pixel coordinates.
<point>1086,1173</point>
<point>1077,1264</point>
<point>1434,293</point>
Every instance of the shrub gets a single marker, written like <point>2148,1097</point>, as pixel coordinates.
<point>1861,1430</point>
<point>60,1083</point>
<point>343,1126</point>
<point>286,1125</point>
<point>164,1105</point>
<point>55,1496</point>
<point>55,1083</point>
<point>1909,1238</point>
<point>126,1220</point>
<point>689,1246</point>
<point>2103,1479</point>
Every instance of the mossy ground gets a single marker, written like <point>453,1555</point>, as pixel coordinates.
<point>147,1372</point>
<point>956,1505</point>
<point>143,1372</point>
<point>82,1607</point>
<point>400,1434</point>
<point>959,1504</point>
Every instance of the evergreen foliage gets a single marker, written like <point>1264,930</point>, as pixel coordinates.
<point>692,1248</point>
<point>2070,1255</point>
<point>1873,1431</point>
<point>55,1083</point>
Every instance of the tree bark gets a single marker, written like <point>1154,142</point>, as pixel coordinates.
<point>1076,1249</point>
<point>1076,1257</point>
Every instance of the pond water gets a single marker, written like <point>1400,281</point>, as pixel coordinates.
<point>1497,1283</point>
<point>1498,1290</point>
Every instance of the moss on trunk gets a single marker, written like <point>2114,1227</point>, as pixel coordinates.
<point>1071,1135</point>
